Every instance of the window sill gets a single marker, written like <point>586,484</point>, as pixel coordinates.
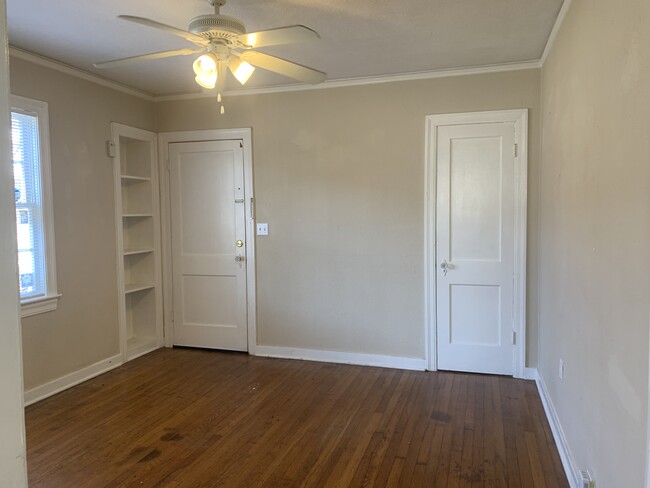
<point>39,305</point>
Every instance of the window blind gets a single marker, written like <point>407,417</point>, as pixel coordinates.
<point>29,205</point>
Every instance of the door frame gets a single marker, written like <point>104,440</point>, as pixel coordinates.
<point>520,119</point>
<point>164,140</point>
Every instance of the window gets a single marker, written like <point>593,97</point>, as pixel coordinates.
<point>31,165</point>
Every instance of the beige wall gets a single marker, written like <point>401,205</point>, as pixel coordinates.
<point>13,471</point>
<point>595,235</point>
<point>339,178</point>
<point>84,329</point>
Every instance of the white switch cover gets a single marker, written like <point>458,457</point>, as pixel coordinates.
<point>262,229</point>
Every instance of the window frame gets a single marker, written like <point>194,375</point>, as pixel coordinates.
<point>48,302</point>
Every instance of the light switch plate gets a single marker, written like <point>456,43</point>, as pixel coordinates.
<point>262,229</point>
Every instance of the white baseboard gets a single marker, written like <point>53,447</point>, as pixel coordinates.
<point>55,386</point>
<point>558,434</point>
<point>531,374</point>
<point>340,357</point>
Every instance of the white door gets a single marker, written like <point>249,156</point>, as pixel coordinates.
<point>475,253</point>
<point>208,244</point>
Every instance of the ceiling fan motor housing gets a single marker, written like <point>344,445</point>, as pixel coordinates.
<point>216,26</point>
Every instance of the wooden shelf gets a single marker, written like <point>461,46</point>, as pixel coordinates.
<point>133,287</point>
<point>133,252</point>
<point>129,178</point>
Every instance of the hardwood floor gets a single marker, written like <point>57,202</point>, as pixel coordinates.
<point>192,418</point>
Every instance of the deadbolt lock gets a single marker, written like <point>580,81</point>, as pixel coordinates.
<point>240,243</point>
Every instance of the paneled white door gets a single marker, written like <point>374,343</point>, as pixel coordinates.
<point>208,244</point>
<point>475,252</point>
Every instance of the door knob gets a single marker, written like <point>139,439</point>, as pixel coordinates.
<point>444,266</point>
<point>240,243</point>
<point>239,259</point>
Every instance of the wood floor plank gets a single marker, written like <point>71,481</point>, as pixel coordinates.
<point>187,418</point>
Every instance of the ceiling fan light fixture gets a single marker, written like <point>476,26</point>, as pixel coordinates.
<point>241,70</point>
<point>226,45</point>
<point>205,68</point>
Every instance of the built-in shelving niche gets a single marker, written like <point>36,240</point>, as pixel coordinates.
<point>138,229</point>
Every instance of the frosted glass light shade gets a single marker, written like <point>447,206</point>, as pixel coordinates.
<point>241,70</point>
<point>205,67</point>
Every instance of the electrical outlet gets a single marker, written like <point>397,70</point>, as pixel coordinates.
<point>586,479</point>
<point>561,370</point>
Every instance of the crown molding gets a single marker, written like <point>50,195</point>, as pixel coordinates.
<point>556,28</point>
<point>365,80</point>
<point>341,83</point>
<point>76,72</point>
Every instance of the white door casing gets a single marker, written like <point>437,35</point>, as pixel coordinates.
<point>208,269</point>
<point>475,227</point>
<point>165,139</point>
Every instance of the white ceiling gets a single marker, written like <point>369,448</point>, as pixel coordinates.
<point>359,38</point>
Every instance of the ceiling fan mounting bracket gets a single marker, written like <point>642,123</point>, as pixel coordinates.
<point>217,4</point>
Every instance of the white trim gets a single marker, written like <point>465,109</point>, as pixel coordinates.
<point>68,381</point>
<point>570,468</point>
<point>647,447</point>
<point>363,80</point>
<point>76,72</point>
<point>245,136</point>
<point>39,109</point>
<point>520,119</point>
<point>430,184</point>
<point>521,233</point>
<point>339,83</point>
<point>531,374</point>
<point>13,467</point>
<point>39,305</point>
<point>146,348</point>
<point>556,28</point>
<point>415,364</point>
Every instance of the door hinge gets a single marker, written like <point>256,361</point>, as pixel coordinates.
<point>110,149</point>
<point>514,338</point>
<point>514,150</point>
<point>252,207</point>
<point>241,144</point>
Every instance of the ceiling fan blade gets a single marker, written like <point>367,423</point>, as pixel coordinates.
<point>283,67</point>
<point>142,57</point>
<point>188,36</point>
<point>280,35</point>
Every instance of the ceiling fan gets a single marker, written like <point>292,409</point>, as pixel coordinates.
<point>226,45</point>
